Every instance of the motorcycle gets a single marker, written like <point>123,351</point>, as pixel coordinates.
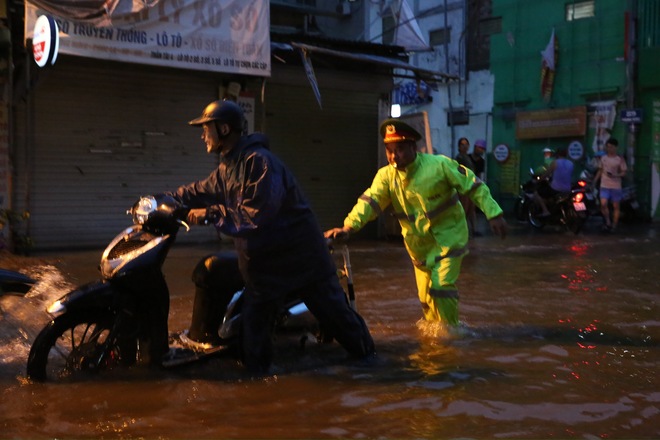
<point>566,209</point>
<point>99,326</point>
<point>591,198</point>
<point>630,209</point>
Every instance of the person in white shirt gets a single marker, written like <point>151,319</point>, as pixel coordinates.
<point>611,171</point>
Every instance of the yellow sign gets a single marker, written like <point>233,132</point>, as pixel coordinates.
<point>554,123</point>
<point>510,176</point>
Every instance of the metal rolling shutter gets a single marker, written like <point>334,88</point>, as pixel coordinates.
<point>332,151</point>
<point>105,133</point>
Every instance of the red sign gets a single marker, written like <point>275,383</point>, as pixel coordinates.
<point>45,41</point>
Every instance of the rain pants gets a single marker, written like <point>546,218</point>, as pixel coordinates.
<point>424,198</point>
<point>280,248</point>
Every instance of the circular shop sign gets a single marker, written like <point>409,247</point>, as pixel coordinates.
<point>501,153</point>
<point>45,41</point>
<point>575,150</point>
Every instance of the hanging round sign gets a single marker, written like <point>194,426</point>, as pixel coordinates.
<point>575,150</point>
<point>501,153</point>
<point>45,41</point>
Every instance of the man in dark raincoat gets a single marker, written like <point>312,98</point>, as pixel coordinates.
<point>281,252</point>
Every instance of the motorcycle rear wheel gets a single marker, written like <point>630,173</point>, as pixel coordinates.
<point>574,220</point>
<point>70,346</point>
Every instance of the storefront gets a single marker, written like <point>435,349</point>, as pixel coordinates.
<point>95,135</point>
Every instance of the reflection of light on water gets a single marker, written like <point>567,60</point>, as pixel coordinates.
<point>435,352</point>
<point>579,249</point>
<point>584,333</point>
<point>581,280</point>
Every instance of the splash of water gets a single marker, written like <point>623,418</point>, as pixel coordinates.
<point>21,318</point>
<point>440,332</point>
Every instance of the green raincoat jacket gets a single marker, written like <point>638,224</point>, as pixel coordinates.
<point>424,198</point>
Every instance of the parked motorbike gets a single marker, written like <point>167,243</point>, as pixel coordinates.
<point>629,205</point>
<point>566,209</point>
<point>98,326</point>
<point>14,283</point>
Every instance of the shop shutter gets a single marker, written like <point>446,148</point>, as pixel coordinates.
<point>333,150</point>
<point>103,134</point>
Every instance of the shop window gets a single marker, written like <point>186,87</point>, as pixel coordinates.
<point>580,10</point>
<point>440,37</point>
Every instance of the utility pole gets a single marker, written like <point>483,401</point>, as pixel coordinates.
<point>450,113</point>
<point>631,72</point>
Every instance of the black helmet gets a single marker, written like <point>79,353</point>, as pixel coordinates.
<point>227,112</point>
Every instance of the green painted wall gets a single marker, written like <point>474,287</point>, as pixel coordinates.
<point>591,67</point>
<point>648,159</point>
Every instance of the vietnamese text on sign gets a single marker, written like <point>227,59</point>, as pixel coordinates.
<point>230,36</point>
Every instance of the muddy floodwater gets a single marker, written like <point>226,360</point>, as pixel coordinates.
<point>560,339</point>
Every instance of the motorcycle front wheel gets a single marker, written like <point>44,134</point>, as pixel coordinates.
<point>520,209</point>
<point>533,216</point>
<point>75,345</point>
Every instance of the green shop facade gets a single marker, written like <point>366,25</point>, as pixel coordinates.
<point>605,83</point>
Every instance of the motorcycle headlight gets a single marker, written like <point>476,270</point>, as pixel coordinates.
<point>57,308</point>
<point>142,209</point>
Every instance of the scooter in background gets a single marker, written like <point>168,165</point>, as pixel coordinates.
<point>566,209</point>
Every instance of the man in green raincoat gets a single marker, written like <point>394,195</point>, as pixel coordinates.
<point>423,191</point>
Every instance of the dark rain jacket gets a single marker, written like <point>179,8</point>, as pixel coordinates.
<point>254,198</point>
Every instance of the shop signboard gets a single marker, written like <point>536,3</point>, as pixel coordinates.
<point>228,36</point>
<point>552,123</point>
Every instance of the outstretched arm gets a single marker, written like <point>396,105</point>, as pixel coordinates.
<point>338,232</point>
<point>498,226</point>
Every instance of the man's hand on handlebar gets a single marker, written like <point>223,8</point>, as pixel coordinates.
<point>338,232</point>
<point>197,216</point>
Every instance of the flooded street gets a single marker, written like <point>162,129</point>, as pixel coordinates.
<point>560,340</point>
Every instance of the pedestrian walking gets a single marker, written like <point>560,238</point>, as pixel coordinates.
<point>611,171</point>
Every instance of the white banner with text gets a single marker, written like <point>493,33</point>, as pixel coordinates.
<point>231,36</point>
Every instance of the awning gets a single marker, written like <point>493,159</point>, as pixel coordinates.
<point>402,68</point>
<point>97,12</point>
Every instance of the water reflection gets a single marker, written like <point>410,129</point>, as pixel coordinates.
<point>560,340</point>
